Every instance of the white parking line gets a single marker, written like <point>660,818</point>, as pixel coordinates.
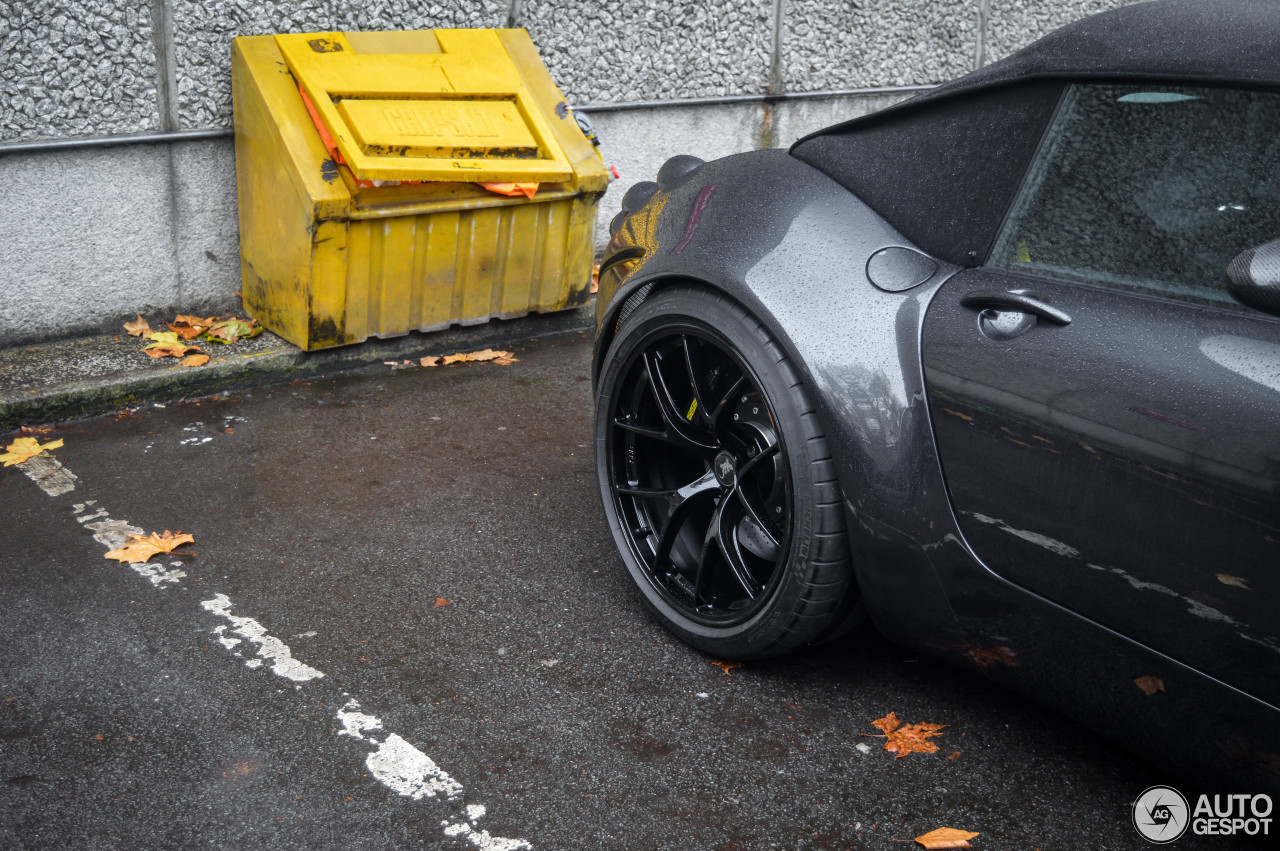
<point>393,761</point>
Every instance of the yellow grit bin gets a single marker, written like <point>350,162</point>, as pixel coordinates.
<point>397,181</point>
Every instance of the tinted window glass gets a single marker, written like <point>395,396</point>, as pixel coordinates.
<point>1149,188</point>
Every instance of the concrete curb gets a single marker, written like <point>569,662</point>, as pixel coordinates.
<point>70,379</point>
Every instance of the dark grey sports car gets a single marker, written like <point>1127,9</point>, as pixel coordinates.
<point>998,368</point>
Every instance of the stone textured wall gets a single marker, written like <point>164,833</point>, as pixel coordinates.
<point>70,68</point>
<point>606,51</point>
<point>837,44</point>
<point>202,34</point>
<point>90,235</point>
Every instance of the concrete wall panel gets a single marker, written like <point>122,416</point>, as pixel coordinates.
<point>1013,24</point>
<point>203,32</point>
<point>838,44</point>
<point>795,119</point>
<point>208,238</point>
<point>607,51</point>
<point>75,68</point>
<point>86,239</point>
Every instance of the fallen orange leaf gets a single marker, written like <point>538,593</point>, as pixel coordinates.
<point>36,429</point>
<point>138,327</point>
<point>902,739</point>
<point>475,357</point>
<point>195,360</point>
<point>727,666</point>
<point>505,361</point>
<point>1149,684</point>
<point>25,448</point>
<point>189,327</point>
<point>946,837</point>
<point>139,548</point>
<point>430,361</point>
<point>441,601</point>
<point>169,350</point>
<point>955,755</point>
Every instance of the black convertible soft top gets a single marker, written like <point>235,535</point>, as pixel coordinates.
<point>1227,42</point>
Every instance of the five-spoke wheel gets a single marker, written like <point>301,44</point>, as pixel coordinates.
<point>719,490</point>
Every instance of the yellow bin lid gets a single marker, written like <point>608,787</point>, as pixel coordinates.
<point>431,105</point>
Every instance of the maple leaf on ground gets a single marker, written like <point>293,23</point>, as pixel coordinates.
<point>139,548</point>
<point>946,838</point>
<point>138,327</point>
<point>441,601</point>
<point>494,355</point>
<point>170,350</point>
<point>727,666</point>
<point>25,448</point>
<point>1149,684</point>
<point>189,327</point>
<point>433,360</point>
<point>231,330</point>
<point>165,344</point>
<point>29,430</point>
<point>902,739</point>
<point>195,360</point>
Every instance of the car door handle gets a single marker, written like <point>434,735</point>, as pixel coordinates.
<point>1004,300</point>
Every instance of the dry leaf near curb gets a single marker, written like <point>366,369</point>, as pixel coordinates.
<point>139,548</point>
<point>945,838</point>
<point>189,327</point>
<point>138,327</point>
<point>25,448</point>
<point>195,360</point>
<point>902,739</point>
<point>1149,684</point>
<point>232,330</point>
<point>441,601</point>
<point>1233,581</point>
<point>170,350</point>
<point>727,666</point>
<point>165,344</point>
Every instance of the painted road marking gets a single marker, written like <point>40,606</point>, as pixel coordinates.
<point>49,474</point>
<point>393,761</point>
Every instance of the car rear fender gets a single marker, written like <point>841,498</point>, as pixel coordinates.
<point>792,247</point>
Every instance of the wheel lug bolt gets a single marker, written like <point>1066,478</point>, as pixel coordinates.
<point>778,510</point>
<point>735,416</point>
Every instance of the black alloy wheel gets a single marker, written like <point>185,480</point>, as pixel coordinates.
<point>719,490</point>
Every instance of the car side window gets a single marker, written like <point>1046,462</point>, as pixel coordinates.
<point>1149,189</point>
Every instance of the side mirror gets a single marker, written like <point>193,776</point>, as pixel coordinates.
<point>1254,276</point>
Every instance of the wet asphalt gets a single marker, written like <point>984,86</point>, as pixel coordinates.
<point>432,542</point>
